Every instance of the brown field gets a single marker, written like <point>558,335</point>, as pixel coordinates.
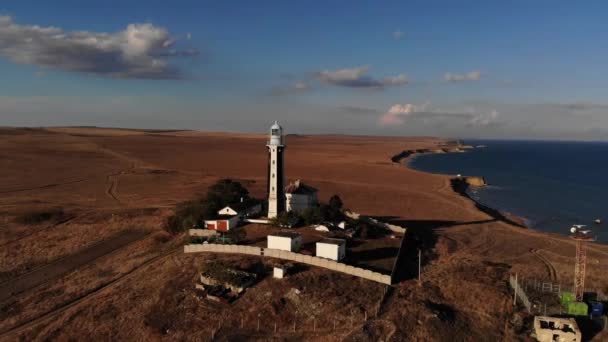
<point>102,268</point>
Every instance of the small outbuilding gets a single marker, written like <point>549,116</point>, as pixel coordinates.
<point>279,272</point>
<point>551,329</point>
<point>334,249</point>
<point>250,207</point>
<point>223,223</point>
<point>285,241</point>
<point>228,211</point>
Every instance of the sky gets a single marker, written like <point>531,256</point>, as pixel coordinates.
<point>465,69</point>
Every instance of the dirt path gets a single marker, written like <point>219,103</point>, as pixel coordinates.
<point>42,186</point>
<point>87,296</point>
<point>69,263</point>
<point>550,268</point>
<point>112,189</point>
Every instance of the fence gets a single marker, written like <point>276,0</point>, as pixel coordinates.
<point>285,255</point>
<point>541,286</point>
<point>341,322</point>
<point>543,297</point>
<point>519,293</point>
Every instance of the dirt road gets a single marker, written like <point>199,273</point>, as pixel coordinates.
<point>69,263</point>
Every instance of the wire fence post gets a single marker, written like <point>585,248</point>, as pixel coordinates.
<point>419,264</point>
<point>515,291</point>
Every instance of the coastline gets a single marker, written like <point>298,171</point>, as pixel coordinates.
<point>460,185</point>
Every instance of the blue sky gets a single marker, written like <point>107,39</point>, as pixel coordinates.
<point>516,69</point>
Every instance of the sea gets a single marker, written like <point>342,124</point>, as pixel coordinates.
<point>552,185</point>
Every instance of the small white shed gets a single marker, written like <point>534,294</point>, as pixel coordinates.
<point>279,272</point>
<point>286,241</point>
<point>334,249</point>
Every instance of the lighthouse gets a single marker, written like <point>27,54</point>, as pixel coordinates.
<point>276,172</point>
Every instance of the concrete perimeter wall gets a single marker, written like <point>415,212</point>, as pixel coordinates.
<point>257,221</point>
<point>394,228</point>
<point>301,258</point>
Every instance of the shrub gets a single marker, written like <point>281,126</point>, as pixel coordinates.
<point>285,219</point>
<point>369,231</point>
<point>335,203</point>
<point>225,192</point>
<point>311,216</point>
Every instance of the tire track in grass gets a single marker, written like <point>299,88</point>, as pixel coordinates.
<point>29,323</point>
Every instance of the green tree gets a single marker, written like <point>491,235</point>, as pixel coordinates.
<point>285,219</point>
<point>311,216</point>
<point>225,192</point>
<point>192,213</point>
<point>335,203</point>
<point>332,212</point>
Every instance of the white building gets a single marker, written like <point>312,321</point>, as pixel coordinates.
<point>227,211</point>
<point>241,209</point>
<point>279,272</point>
<point>276,171</point>
<point>223,223</point>
<point>286,241</point>
<point>334,249</point>
<point>299,196</point>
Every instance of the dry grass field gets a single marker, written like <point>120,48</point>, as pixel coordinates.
<point>99,266</point>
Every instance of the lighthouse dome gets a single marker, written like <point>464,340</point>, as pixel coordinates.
<point>276,134</point>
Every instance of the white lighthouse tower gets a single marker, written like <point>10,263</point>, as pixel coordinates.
<point>276,173</point>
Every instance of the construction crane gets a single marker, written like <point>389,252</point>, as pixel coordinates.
<point>581,236</point>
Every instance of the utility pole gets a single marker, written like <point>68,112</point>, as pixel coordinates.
<point>419,265</point>
<point>581,236</point>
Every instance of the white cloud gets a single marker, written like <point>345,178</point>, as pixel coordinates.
<point>484,119</point>
<point>357,78</point>
<point>139,51</point>
<point>397,35</point>
<point>474,75</point>
<point>399,114</point>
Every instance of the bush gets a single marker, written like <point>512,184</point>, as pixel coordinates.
<point>236,234</point>
<point>187,215</point>
<point>37,217</point>
<point>311,216</point>
<point>285,219</point>
<point>192,213</point>
<point>225,192</point>
<point>335,203</point>
<point>369,231</point>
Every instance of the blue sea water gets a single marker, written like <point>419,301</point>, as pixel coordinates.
<point>551,184</point>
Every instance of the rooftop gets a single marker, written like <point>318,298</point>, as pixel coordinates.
<point>298,187</point>
<point>286,234</point>
<point>329,241</point>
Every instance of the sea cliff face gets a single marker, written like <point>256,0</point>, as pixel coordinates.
<point>475,181</point>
